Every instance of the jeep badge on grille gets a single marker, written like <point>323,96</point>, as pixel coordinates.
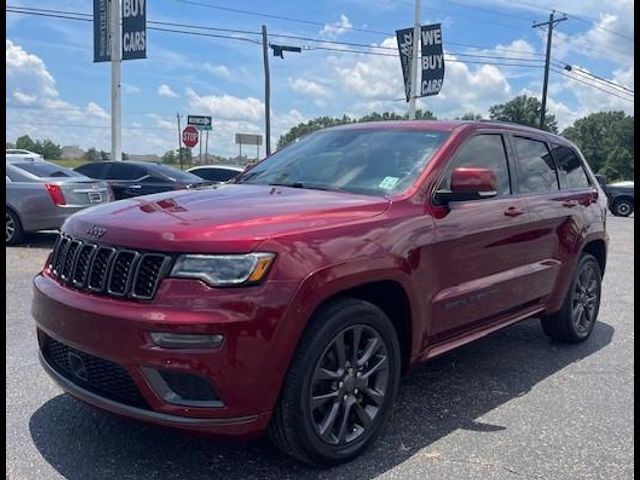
<point>96,231</point>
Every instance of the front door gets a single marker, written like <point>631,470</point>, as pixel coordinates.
<point>480,255</point>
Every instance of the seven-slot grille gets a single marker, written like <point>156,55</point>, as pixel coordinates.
<point>119,272</point>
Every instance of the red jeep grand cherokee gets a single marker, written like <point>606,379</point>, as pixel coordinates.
<point>291,301</point>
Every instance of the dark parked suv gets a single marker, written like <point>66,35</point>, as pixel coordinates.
<point>292,300</point>
<point>131,179</point>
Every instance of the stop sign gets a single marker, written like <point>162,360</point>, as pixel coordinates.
<point>190,136</point>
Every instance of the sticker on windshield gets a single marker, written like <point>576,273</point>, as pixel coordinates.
<point>388,183</point>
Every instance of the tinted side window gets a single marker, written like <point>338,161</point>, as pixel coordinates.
<point>123,171</point>
<point>536,169</point>
<point>216,174</point>
<point>570,167</point>
<point>92,170</point>
<point>482,151</point>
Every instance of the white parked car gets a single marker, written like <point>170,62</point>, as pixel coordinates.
<point>18,154</point>
<point>216,173</point>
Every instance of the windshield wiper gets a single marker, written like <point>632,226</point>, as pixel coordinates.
<point>292,184</point>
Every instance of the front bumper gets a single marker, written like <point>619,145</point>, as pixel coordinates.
<point>245,372</point>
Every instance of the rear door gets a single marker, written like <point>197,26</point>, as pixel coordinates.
<point>124,179</point>
<point>479,257</point>
<point>555,214</point>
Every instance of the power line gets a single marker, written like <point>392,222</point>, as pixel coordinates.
<point>362,52</point>
<point>276,17</point>
<point>65,14</point>
<point>512,61</point>
<point>560,72</point>
<point>586,73</point>
<point>599,27</point>
<point>159,29</point>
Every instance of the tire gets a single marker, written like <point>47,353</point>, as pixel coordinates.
<point>574,322</point>
<point>14,231</point>
<point>622,207</point>
<point>296,426</point>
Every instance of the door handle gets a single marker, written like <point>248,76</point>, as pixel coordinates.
<point>570,203</point>
<point>513,212</point>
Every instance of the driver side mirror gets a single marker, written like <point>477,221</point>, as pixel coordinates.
<point>468,183</point>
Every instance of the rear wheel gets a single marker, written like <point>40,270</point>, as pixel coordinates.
<point>14,232</point>
<point>341,384</point>
<point>577,317</point>
<point>622,207</point>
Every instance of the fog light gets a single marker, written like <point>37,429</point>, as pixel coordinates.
<point>186,340</point>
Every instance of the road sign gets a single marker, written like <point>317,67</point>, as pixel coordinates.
<point>190,136</point>
<point>101,44</point>
<point>405,49</point>
<point>134,29</point>
<point>248,139</point>
<point>432,60</point>
<point>201,122</point>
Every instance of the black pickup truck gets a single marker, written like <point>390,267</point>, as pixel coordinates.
<point>620,194</point>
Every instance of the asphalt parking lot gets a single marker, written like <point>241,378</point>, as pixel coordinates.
<point>513,405</point>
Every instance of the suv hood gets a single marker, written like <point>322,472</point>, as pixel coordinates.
<point>229,218</point>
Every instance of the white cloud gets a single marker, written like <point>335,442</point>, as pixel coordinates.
<point>226,106</point>
<point>129,89</point>
<point>218,70</point>
<point>164,90</point>
<point>336,29</point>
<point>308,87</point>
<point>375,83</point>
<point>27,77</point>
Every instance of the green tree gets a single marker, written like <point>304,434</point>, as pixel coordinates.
<point>311,126</point>
<point>125,156</point>
<point>169,157</point>
<point>606,139</point>
<point>525,111</point>
<point>103,156</point>
<point>50,150</point>
<point>619,164</point>
<point>10,145</point>
<point>92,155</point>
<point>25,143</point>
<point>470,116</point>
<point>325,122</point>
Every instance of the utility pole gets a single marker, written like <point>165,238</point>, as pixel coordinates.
<point>206,148</point>
<point>179,142</point>
<point>116,56</point>
<point>267,89</point>
<point>414,62</point>
<point>547,60</point>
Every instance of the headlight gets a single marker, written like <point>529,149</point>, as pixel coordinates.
<point>224,270</point>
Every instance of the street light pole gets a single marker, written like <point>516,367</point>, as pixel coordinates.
<point>267,89</point>
<point>414,62</point>
<point>116,56</point>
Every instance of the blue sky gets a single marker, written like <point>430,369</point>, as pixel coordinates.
<point>55,90</point>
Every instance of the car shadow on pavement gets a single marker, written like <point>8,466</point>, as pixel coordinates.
<point>449,393</point>
<point>43,240</point>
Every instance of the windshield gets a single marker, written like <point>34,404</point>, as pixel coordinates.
<point>175,174</point>
<point>367,161</point>
<point>46,169</point>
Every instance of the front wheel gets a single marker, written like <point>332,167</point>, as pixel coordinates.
<point>622,207</point>
<point>341,384</point>
<point>577,317</point>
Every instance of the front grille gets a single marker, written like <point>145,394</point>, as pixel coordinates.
<point>97,375</point>
<point>117,272</point>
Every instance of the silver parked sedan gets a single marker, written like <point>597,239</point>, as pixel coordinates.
<point>40,195</point>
